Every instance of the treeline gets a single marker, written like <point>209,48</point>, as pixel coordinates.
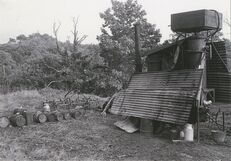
<point>34,62</point>
<point>38,61</point>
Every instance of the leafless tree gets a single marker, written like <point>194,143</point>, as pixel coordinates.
<point>55,32</point>
<point>227,22</point>
<point>76,40</point>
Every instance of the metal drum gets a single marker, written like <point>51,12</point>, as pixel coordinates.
<point>193,52</point>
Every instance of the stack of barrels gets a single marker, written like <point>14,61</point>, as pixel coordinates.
<point>22,117</point>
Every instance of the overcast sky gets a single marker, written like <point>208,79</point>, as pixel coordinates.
<point>30,16</point>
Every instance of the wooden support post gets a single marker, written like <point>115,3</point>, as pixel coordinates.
<point>137,48</point>
<point>198,121</point>
<point>223,120</point>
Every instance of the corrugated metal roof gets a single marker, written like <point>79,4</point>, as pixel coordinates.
<point>162,96</point>
<point>163,47</point>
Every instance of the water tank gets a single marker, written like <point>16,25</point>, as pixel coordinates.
<point>193,52</point>
<point>196,21</point>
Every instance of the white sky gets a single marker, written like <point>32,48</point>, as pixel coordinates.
<point>30,16</point>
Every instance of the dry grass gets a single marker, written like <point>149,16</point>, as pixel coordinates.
<point>92,137</point>
<point>26,99</point>
<point>32,99</point>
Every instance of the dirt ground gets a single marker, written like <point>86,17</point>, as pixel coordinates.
<point>93,137</point>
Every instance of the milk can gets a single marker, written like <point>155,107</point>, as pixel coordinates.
<point>46,107</point>
<point>188,132</point>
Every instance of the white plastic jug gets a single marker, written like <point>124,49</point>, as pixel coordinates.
<point>188,132</point>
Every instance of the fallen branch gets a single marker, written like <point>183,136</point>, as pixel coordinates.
<point>51,83</point>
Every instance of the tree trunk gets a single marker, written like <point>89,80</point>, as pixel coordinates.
<point>19,111</point>
<point>29,117</point>
<point>75,114</point>
<point>54,116</point>
<point>66,115</point>
<point>4,122</point>
<point>50,117</point>
<point>40,117</point>
<point>59,116</point>
<point>17,120</point>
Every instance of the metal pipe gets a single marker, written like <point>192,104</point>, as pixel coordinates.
<point>137,48</point>
<point>198,121</point>
<point>223,120</point>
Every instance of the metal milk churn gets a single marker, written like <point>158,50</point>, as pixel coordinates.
<point>46,107</point>
<point>188,132</point>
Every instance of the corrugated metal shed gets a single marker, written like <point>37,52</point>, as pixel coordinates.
<point>219,72</point>
<point>220,58</point>
<point>162,96</point>
<point>221,82</point>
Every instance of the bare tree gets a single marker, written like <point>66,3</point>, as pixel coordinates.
<point>55,32</point>
<point>76,40</point>
<point>227,22</point>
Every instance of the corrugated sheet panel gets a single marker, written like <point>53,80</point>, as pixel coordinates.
<point>218,76</point>
<point>162,96</point>
<point>163,48</point>
<point>221,82</point>
<point>216,64</point>
<point>166,80</point>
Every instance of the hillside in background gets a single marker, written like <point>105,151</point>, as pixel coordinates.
<point>35,62</point>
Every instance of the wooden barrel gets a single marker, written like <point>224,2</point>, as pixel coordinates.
<point>75,114</point>
<point>66,115</point>
<point>40,117</point>
<point>4,122</point>
<point>17,120</point>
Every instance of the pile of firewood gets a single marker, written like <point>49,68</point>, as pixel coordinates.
<point>21,117</point>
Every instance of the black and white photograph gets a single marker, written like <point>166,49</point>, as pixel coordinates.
<point>115,80</point>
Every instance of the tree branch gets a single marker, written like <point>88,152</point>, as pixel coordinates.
<point>55,32</point>
<point>76,40</point>
<point>50,67</point>
<point>51,83</point>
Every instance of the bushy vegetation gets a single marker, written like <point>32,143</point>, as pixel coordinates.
<point>34,62</point>
<point>40,60</point>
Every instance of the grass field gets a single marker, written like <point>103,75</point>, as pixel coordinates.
<point>93,137</point>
